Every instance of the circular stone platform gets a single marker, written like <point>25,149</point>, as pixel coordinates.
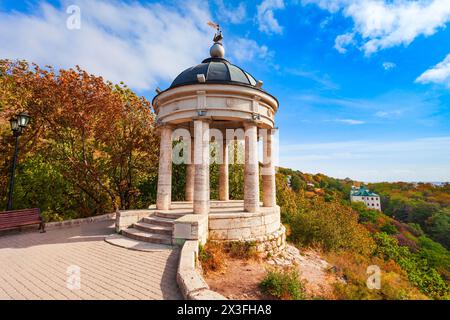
<point>228,222</point>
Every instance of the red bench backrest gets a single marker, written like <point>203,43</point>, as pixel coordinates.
<point>19,217</point>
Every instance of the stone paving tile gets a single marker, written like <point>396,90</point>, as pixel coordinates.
<point>35,266</point>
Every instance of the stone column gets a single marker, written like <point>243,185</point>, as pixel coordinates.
<point>268,172</point>
<point>251,172</point>
<point>164,192</point>
<point>201,163</point>
<point>223,173</point>
<point>190,173</point>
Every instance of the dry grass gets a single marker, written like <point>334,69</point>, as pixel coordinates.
<point>242,250</point>
<point>212,257</point>
<point>214,254</point>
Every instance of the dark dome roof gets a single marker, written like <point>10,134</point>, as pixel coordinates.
<point>215,70</point>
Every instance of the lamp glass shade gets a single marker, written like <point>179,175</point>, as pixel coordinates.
<point>14,124</point>
<point>23,119</point>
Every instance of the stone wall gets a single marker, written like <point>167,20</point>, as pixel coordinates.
<point>190,281</point>
<point>244,226</point>
<point>125,219</point>
<point>190,227</point>
<point>77,222</point>
<point>273,243</point>
<point>268,245</point>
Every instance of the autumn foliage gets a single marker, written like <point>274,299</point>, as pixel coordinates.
<point>89,140</point>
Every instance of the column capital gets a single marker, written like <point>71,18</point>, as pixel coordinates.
<point>160,125</point>
<point>163,125</point>
<point>250,123</point>
<point>203,118</point>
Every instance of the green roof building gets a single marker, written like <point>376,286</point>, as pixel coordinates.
<point>369,198</point>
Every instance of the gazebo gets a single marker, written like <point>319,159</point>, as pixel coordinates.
<point>218,102</point>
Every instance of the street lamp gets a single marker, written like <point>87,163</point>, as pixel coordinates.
<point>18,124</point>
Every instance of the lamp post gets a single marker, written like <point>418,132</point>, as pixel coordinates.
<point>18,124</point>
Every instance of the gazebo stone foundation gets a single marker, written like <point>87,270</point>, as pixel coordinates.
<point>226,222</point>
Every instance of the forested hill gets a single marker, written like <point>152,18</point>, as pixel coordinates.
<point>422,205</point>
<point>408,240</point>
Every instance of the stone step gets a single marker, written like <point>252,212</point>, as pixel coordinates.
<point>147,237</point>
<point>172,214</point>
<point>153,228</point>
<point>158,221</point>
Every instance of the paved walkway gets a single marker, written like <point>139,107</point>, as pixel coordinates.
<point>45,266</point>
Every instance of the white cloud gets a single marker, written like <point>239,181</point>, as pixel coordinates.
<point>265,16</point>
<point>322,79</point>
<point>243,49</point>
<point>131,42</point>
<point>425,159</point>
<point>391,108</point>
<point>383,24</point>
<point>389,114</point>
<point>233,15</point>
<point>343,41</point>
<point>351,122</point>
<point>139,44</point>
<point>440,73</point>
<point>388,66</point>
<point>330,5</point>
<point>325,22</point>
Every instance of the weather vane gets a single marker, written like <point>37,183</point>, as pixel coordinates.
<point>218,36</point>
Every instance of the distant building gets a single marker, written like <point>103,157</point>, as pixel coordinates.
<point>370,199</point>
<point>310,186</point>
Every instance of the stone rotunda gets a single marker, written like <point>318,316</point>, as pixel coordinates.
<point>218,102</point>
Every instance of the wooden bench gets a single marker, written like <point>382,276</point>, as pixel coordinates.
<point>20,218</point>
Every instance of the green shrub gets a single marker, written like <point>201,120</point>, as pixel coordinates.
<point>297,184</point>
<point>283,284</point>
<point>353,267</point>
<point>439,227</point>
<point>389,229</point>
<point>242,249</point>
<point>330,225</point>
<point>436,255</point>
<point>415,229</point>
<point>420,274</point>
<point>365,214</point>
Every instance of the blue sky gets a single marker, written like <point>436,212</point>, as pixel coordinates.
<point>363,85</point>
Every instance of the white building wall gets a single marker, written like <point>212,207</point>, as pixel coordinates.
<point>370,202</point>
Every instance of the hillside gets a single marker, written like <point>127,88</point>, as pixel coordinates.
<point>317,210</point>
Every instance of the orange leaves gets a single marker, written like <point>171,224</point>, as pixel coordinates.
<point>97,133</point>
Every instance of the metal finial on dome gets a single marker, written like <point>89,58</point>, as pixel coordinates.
<point>217,50</point>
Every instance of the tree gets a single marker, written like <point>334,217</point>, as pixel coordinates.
<point>438,226</point>
<point>297,184</point>
<point>98,136</point>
